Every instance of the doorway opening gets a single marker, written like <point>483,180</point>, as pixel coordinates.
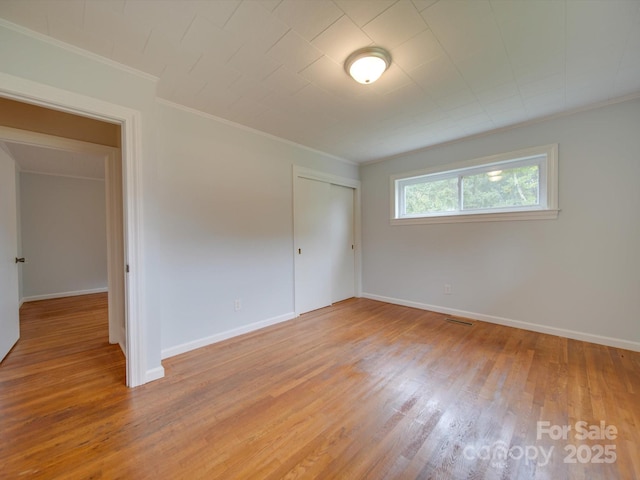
<point>129,161</point>
<point>74,188</point>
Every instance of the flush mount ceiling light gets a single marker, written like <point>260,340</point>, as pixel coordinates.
<point>367,64</point>
<point>495,176</point>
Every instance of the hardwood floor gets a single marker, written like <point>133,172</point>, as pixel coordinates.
<point>360,390</point>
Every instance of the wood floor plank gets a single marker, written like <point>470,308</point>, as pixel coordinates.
<point>359,390</point>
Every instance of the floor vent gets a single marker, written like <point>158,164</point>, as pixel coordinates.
<point>459,322</point>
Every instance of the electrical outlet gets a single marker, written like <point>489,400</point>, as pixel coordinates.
<point>237,304</point>
<point>447,289</point>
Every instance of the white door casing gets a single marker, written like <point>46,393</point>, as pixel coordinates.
<point>28,91</point>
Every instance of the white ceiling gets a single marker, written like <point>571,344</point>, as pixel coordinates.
<point>34,159</point>
<point>459,67</point>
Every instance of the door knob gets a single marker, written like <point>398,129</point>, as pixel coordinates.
<point>20,260</point>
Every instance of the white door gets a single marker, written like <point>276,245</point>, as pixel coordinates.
<point>9,315</point>
<point>342,243</point>
<point>313,269</point>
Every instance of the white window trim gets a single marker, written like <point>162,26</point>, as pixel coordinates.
<point>548,190</point>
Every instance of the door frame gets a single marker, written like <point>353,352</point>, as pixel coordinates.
<point>27,91</point>
<point>302,172</point>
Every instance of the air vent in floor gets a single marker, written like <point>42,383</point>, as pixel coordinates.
<point>458,322</point>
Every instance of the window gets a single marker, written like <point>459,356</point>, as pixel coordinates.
<point>519,185</point>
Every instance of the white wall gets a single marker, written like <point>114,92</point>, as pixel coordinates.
<point>579,274</point>
<point>225,218</point>
<point>64,239</point>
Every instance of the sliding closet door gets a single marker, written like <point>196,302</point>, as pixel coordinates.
<point>342,243</point>
<point>313,268</point>
<point>323,217</point>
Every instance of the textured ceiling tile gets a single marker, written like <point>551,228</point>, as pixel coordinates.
<point>431,116</point>
<point>486,70</point>
<point>597,31</point>
<point>281,102</point>
<point>172,18</point>
<point>341,39</point>
<point>308,18</point>
<point>363,11</point>
<point>252,63</point>
<point>25,14</point>
<point>162,48</point>
<point>465,111</point>
<point>395,25</point>
<point>214,72</point>
<point>245,110</point>
<point>110,24</point>
<point>68,12</point>
<point>504,105</point>
<point>439,78</point>
<point>576,97</point>
<point>464,27</point>
<point>285,81</point>
<point>294,51</point>
<point>630,56</point>
<point>217,11</point>
<point>532,72</point>
<point>475,123</point>
<point>269,5</point>
<point>497,93</point>
<point>393,79</point>
<point>215,100</point>
<point>203,36</point>
<point>423,4</point>
<point>541,86</point>
<point>313,99</point>
<point>523,38</point>
<point>247,87</point>
<point>330,76</point>
<point>549,97</point>
<point>176,79</point>
<point>548,103</point>
<point>510,117</point>
<point>256,26</point>
<point>459,99</point>
<point>627,81</point>
<point>417,51</point>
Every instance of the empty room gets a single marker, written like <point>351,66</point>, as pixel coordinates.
<point>350,239</point>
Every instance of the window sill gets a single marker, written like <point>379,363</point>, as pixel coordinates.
<point>479,217</point>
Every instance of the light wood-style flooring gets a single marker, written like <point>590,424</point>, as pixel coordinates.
<point>360,390</point>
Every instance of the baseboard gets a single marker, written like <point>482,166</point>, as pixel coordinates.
<point>153,374</point>
<point>75,293</point>
<point>534,327</point>
<point>219,337</point>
